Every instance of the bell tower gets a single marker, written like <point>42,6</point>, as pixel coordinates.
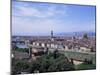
<point>51,33</point>
<point>52,37</point>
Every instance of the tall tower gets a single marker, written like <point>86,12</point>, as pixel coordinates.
<point>52,39</point>
<point>51,34</point>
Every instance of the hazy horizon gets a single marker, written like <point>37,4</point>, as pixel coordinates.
<point>55,33</point>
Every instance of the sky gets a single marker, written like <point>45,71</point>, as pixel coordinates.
<point>37,18</point>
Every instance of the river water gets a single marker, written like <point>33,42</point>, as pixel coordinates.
<point>21,46</point>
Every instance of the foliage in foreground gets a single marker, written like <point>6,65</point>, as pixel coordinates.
<point>52,62</point>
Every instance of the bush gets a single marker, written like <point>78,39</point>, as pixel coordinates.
<point>22,50</point>
<point>50,63</point>
<point>19,66</point>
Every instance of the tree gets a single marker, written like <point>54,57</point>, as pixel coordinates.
<point>55,54</point>
<point>52,63</point>
<point>64,65</point>
<point>35,66</point>
<point>20,66</point>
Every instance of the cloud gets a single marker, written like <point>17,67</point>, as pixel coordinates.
<point>26,10</point>
<point>29,18</point>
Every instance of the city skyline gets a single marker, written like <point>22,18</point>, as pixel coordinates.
<point>37,18</point>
